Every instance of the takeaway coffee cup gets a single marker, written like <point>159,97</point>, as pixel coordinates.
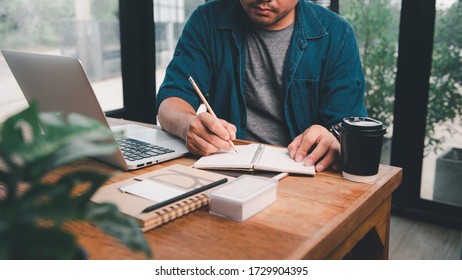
<point>361,147</point>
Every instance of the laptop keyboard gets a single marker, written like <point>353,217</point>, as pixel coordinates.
<point>133,149</point>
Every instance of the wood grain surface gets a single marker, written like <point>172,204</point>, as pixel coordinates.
<point>316,217</point>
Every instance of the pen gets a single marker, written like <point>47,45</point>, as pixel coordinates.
<point>199,92</point>
<point>281,176</point>
<point>183,196</point>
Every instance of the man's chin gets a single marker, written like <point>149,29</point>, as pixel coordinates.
<point>263,22</point>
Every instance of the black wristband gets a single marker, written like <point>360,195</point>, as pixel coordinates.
<point>334,130</point>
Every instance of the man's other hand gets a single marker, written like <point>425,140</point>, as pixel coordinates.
<point>316,146</point>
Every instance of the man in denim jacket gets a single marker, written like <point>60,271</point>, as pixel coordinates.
<point>274,71</point>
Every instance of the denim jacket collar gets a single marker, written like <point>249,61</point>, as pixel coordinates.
<point>311,27</point>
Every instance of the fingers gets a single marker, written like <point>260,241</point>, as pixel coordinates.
<point>207,135</point>
<point>293,147</point>
<point>214,126</point>
<point>198,146</point>
<point>309,141</point>
<point>316,145</point>
<point>325,159</point>
<point>231,128</point>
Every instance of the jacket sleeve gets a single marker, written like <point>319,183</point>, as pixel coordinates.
<point>190,58</point>
<point>342,89</point>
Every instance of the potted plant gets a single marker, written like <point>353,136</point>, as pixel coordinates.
<point>34,205</point>
<point>447,187</point>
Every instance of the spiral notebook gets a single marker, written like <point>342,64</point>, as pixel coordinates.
<point>133,195</point>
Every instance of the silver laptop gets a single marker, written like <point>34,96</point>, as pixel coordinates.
<point>60,84</point>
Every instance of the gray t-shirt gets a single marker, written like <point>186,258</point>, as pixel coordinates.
<point>266,52</point>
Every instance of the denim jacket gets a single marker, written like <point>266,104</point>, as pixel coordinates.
<point>323,80</point>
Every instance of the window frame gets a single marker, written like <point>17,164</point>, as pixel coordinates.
<point>137,44</point>
<point>417,26</point>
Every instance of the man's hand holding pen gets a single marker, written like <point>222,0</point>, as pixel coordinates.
<point>207,135</point>
<point>219,134</point>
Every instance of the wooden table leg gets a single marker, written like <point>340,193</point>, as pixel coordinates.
<point>371,239</point>
<point>375,244</point>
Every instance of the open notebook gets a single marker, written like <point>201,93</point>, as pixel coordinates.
<point>255,157</point>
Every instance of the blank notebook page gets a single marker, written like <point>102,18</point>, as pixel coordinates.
<point>229,159</point>
<point>278,159</point>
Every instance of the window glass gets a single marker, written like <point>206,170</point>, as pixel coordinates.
<point>169,18</point>
<point>87,29</point>
<point>442,164</point>
<point>324,3</point>
<point>376,25</point>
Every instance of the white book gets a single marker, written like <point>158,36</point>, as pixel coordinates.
<point>255,157</point>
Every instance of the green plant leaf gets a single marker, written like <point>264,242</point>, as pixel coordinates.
<point>56,202</point>
<point>31,146</point>
<point>49,141</point>
<point>7,179</point>
<point>14,128</point>
<point>94,179</point>
<point>34,243</point>
<point>65,141</point>
<point>107,217</point>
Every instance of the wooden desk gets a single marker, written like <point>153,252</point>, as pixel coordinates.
<point>320,217</point>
